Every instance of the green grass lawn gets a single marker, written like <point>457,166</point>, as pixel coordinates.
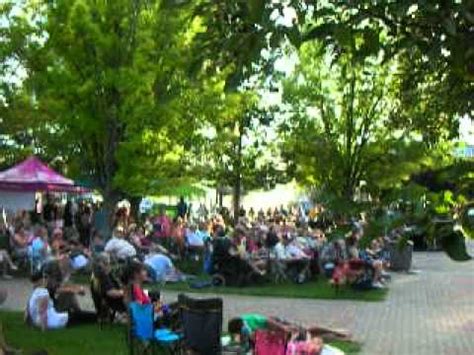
<point>81,340</point>
<point>320,289</point>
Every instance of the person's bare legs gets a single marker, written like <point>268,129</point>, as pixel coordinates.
<point>5,258</point>
<point>378,265</point>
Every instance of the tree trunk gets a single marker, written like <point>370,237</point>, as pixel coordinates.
<point>236,198</point>
<point>134,207</point>
<point>238,176</point>
<point>111,197</point>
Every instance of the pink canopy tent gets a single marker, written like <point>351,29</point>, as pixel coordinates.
<point>34,175</point>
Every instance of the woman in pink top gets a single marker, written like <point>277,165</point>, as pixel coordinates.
<point>178,233</point>
<point>162,225</point>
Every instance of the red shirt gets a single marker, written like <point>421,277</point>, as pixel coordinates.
<point>139,295</point>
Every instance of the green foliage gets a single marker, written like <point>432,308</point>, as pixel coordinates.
<point>340,130</point>
<point>453,243</point>
<point>413,31</point>
<point>467,219</point>
<point>106,81</point>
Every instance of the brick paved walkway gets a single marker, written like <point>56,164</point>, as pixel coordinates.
<point>431,312</point>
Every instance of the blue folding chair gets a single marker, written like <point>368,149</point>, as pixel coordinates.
<point>142,333</point>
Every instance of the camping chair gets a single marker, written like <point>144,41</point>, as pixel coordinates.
<point>142,337</point>
<point>270,342</point>
<point>202,324</point>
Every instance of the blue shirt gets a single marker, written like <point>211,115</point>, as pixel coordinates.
<point>160,264</point>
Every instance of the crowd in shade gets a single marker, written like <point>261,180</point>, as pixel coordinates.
<point>281,243</point>
<point>123,251</point>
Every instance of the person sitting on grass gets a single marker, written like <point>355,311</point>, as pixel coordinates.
<point>64,294</point>
<point>159,267</point>
<point>20,241</point>
<point>40,310</point>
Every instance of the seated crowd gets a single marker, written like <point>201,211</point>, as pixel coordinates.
<point>272,246</point>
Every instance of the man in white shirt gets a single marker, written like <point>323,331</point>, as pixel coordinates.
<point>40,307</point>
<point>119,247</point>
<point>295,259</point>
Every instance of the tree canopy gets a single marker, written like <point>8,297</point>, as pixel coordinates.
<point>140,97</point>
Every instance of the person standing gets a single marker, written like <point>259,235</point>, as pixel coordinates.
<point>68,216</point>
<point>182,208</point>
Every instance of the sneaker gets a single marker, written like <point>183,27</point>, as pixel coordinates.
<point>378,285</point>
<point>7,277</point>
<point>13,267</point>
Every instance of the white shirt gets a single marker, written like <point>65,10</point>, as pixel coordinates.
<point>195,239</point>
<point>280,251</point>
<point>55,320</point>
<point>120,248</point>
<point>295,252</point>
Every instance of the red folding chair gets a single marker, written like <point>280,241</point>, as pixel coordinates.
<point>270,342</point>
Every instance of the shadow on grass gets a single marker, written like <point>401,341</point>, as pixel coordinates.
<point>86,339</point>
<point>320,289</point>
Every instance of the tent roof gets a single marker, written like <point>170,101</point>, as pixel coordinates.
<point>34,175</point>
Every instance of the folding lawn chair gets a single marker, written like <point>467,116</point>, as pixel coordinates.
<point>202,324</point>
<point>268,342</point>
<point>143,338</point>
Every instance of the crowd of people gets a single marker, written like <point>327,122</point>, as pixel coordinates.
<point>276,245</point>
